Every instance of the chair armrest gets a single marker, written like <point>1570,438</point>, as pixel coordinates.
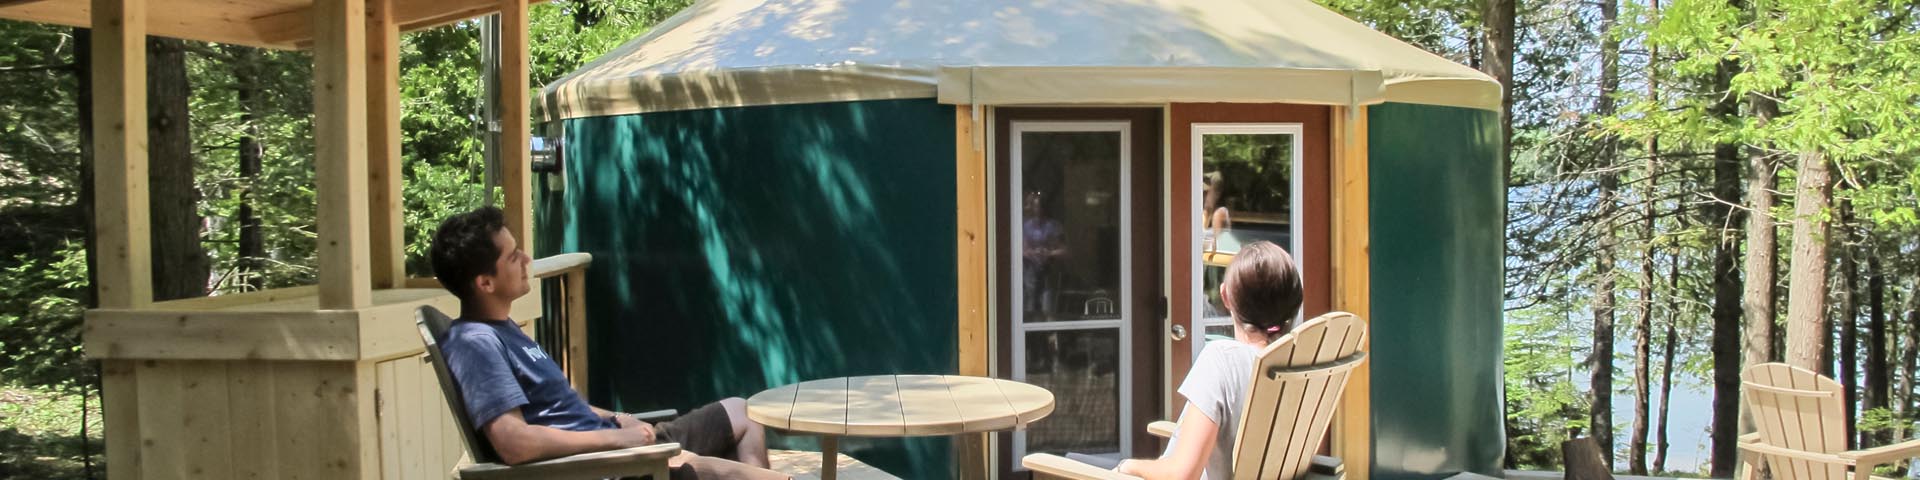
<point>585,466</point>
<point>656,416</point>
<point>1060,467</point>
<point>1325,465</point>
<point>1162,429</point>
<point>1326,468</point>
<point>1882,455</point>
<point>1750,438</point>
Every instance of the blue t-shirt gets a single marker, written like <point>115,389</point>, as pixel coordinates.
<point>500,369</point>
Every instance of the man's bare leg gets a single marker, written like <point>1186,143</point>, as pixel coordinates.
<point>750,439</point>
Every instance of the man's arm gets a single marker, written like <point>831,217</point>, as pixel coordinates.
<point>518,442</point>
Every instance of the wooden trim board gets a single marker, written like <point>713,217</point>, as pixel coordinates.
<point>1352,428</point>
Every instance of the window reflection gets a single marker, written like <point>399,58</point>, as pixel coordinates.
<point>1246,195</point>
<point>1070,226</point>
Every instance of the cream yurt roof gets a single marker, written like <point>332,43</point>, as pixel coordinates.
<point>728,53</point>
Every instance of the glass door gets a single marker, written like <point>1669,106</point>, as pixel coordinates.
<point>1249,190</point>
<point>1073,281</point>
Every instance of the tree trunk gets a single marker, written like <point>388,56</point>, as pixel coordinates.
<point>1643,327</point>
<point>1877,388</point>
<point>252,248</point>
<point>1756,299</point>
<point>90,297</point>
<point>1666,368</point>
<point>1849,322</point>
<point>1600,363</point>
<point>1726,279</point>
<point>1807,269</point>
<point>179,262</point>
<point>1909,354</point>
<point>1498,40</point>
<point>83,101</point>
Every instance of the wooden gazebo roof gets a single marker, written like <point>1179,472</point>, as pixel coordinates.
<point>279,24</point>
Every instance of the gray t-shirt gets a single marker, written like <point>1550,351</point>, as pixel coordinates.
<point>1217,386</point>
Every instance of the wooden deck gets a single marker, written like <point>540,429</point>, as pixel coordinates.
<point>806,466</point>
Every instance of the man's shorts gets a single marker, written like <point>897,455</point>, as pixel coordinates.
<point>705,431</point>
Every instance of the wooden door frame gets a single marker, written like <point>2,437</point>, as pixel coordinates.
<point>1148,196</point>
<point>1316,230</point>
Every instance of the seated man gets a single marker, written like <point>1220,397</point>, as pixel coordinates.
<point>518,397</point>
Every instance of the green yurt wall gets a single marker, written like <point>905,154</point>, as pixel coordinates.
<point>1438,213</point>
<point>740,249</point>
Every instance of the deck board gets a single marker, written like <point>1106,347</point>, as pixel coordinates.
<point>806,466</point>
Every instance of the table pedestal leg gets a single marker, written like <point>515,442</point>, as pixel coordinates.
<point>829,457</point>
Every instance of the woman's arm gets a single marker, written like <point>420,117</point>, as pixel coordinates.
<point>1189,457</point>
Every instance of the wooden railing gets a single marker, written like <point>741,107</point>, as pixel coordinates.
<point>562,328</point>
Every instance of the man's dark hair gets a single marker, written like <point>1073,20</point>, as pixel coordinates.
<point>463,248</point>
<point>1266,287</point>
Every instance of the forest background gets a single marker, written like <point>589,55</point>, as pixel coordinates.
<point>1694,185</point>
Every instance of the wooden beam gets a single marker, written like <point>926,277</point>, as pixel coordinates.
<point>223,23</point>
<point>237,300</point>
<point>223,335</point>
<point>516,169</point>
<point>1352,281</point>
<point>290,28</point>
<point>386,220</point>
<point>970,243</point>
<point>340,152</point>
<point>121,232</point>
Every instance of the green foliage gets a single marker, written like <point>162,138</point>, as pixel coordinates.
<point>1543,406</point>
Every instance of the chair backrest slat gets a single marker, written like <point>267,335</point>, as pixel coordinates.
<point>1799,410</point>
<point>1296,386</point>
<point>433,327</point>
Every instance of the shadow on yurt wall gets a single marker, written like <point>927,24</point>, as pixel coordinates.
<point>1438,223</point>
<point>738,249</point>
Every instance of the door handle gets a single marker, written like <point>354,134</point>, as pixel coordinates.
<point>1178,332</point>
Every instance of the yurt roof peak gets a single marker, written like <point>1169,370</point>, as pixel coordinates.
<point>726,53</point>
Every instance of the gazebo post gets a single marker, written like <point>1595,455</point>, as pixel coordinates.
<point>516,174</point>
<point>970,253</point>
<point>123,265</point>
<point>1352,429</point>
<point>384,202</point>
<point>340,152</point>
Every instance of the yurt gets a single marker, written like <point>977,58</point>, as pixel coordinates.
<point>1046,191</point>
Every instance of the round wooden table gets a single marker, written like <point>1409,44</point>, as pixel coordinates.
<point>898,406</point>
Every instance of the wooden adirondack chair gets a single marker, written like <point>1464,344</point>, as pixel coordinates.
<point>638,462</point>
<point>1800,432</point>
<point>1296,385</point>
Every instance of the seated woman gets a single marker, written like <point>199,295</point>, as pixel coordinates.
<point>1262,292</point>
